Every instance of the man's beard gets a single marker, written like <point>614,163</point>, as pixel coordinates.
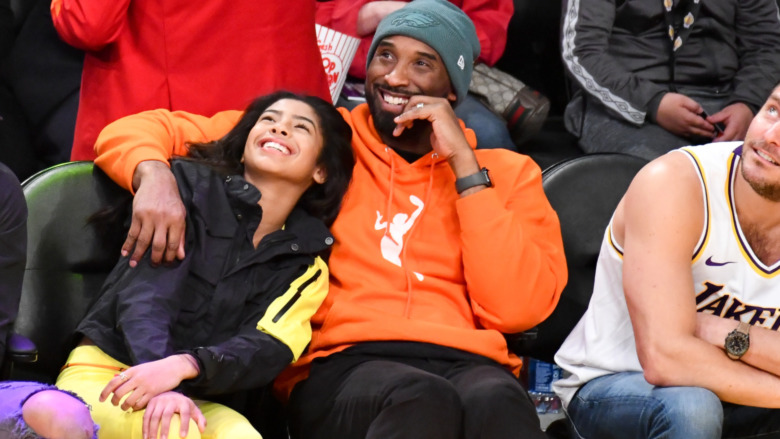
<point>766,189</point>
<point>384,122</point>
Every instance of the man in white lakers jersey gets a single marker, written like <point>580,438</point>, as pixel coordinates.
<point>681,336</point>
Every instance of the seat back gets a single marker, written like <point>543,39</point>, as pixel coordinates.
<point>584,191</point>
<point>67,260</point>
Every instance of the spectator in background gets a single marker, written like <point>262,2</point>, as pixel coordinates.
<point>647,73</point>
<point>44,74</point>
<point>201,57</point>
<point>360,18</point>
<point>13,251</point>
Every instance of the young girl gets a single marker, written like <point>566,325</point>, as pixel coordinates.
<point>235,311</point>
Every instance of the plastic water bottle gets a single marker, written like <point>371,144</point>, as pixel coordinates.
<point>540,378</point>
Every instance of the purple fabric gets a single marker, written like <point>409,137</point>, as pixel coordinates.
<point>13,395</point>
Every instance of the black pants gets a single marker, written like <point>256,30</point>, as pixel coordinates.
<point>13,251</point>
<point>369,395</point>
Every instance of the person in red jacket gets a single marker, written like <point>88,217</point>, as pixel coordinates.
<point>440,249</point>
<point>360,18</point>
<point>201,57</point>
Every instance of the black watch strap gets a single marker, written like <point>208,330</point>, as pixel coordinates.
<point>480,178</point>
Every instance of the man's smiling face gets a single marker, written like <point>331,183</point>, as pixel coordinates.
<point>761,151</point>
<point>403,67</point>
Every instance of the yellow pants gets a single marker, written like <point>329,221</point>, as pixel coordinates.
<point>90,369</point>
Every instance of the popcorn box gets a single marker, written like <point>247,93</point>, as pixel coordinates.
<point>338,50</point>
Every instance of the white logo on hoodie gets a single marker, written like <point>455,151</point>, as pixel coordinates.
<point>392,243</point>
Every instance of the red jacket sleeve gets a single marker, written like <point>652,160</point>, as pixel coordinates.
<point>491,19</point>
<point>342,16</point>
<point>89,24</point>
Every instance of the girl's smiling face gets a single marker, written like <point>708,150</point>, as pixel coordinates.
<point>285,142</point>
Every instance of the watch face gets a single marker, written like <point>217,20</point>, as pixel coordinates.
<point>737,343</point>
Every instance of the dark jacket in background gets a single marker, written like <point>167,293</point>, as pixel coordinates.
<point>6,28</point>
<point>618,52</point>
<point>42,77</point>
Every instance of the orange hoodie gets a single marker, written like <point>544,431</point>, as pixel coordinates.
<point>413,260</point>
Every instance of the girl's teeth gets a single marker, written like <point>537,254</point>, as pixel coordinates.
<point>276,146</point>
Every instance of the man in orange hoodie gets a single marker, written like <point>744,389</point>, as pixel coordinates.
<point>440,249</point>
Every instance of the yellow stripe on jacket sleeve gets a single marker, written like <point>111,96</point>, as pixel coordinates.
<point>288,317</point>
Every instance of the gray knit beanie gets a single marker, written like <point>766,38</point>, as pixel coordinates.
<point>444,27</point>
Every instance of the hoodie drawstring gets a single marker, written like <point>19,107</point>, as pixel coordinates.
<point>392,186</point>
<point>407,271</point>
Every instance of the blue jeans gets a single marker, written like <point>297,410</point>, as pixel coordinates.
<point>490,128</point>
<point>624,405</point>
